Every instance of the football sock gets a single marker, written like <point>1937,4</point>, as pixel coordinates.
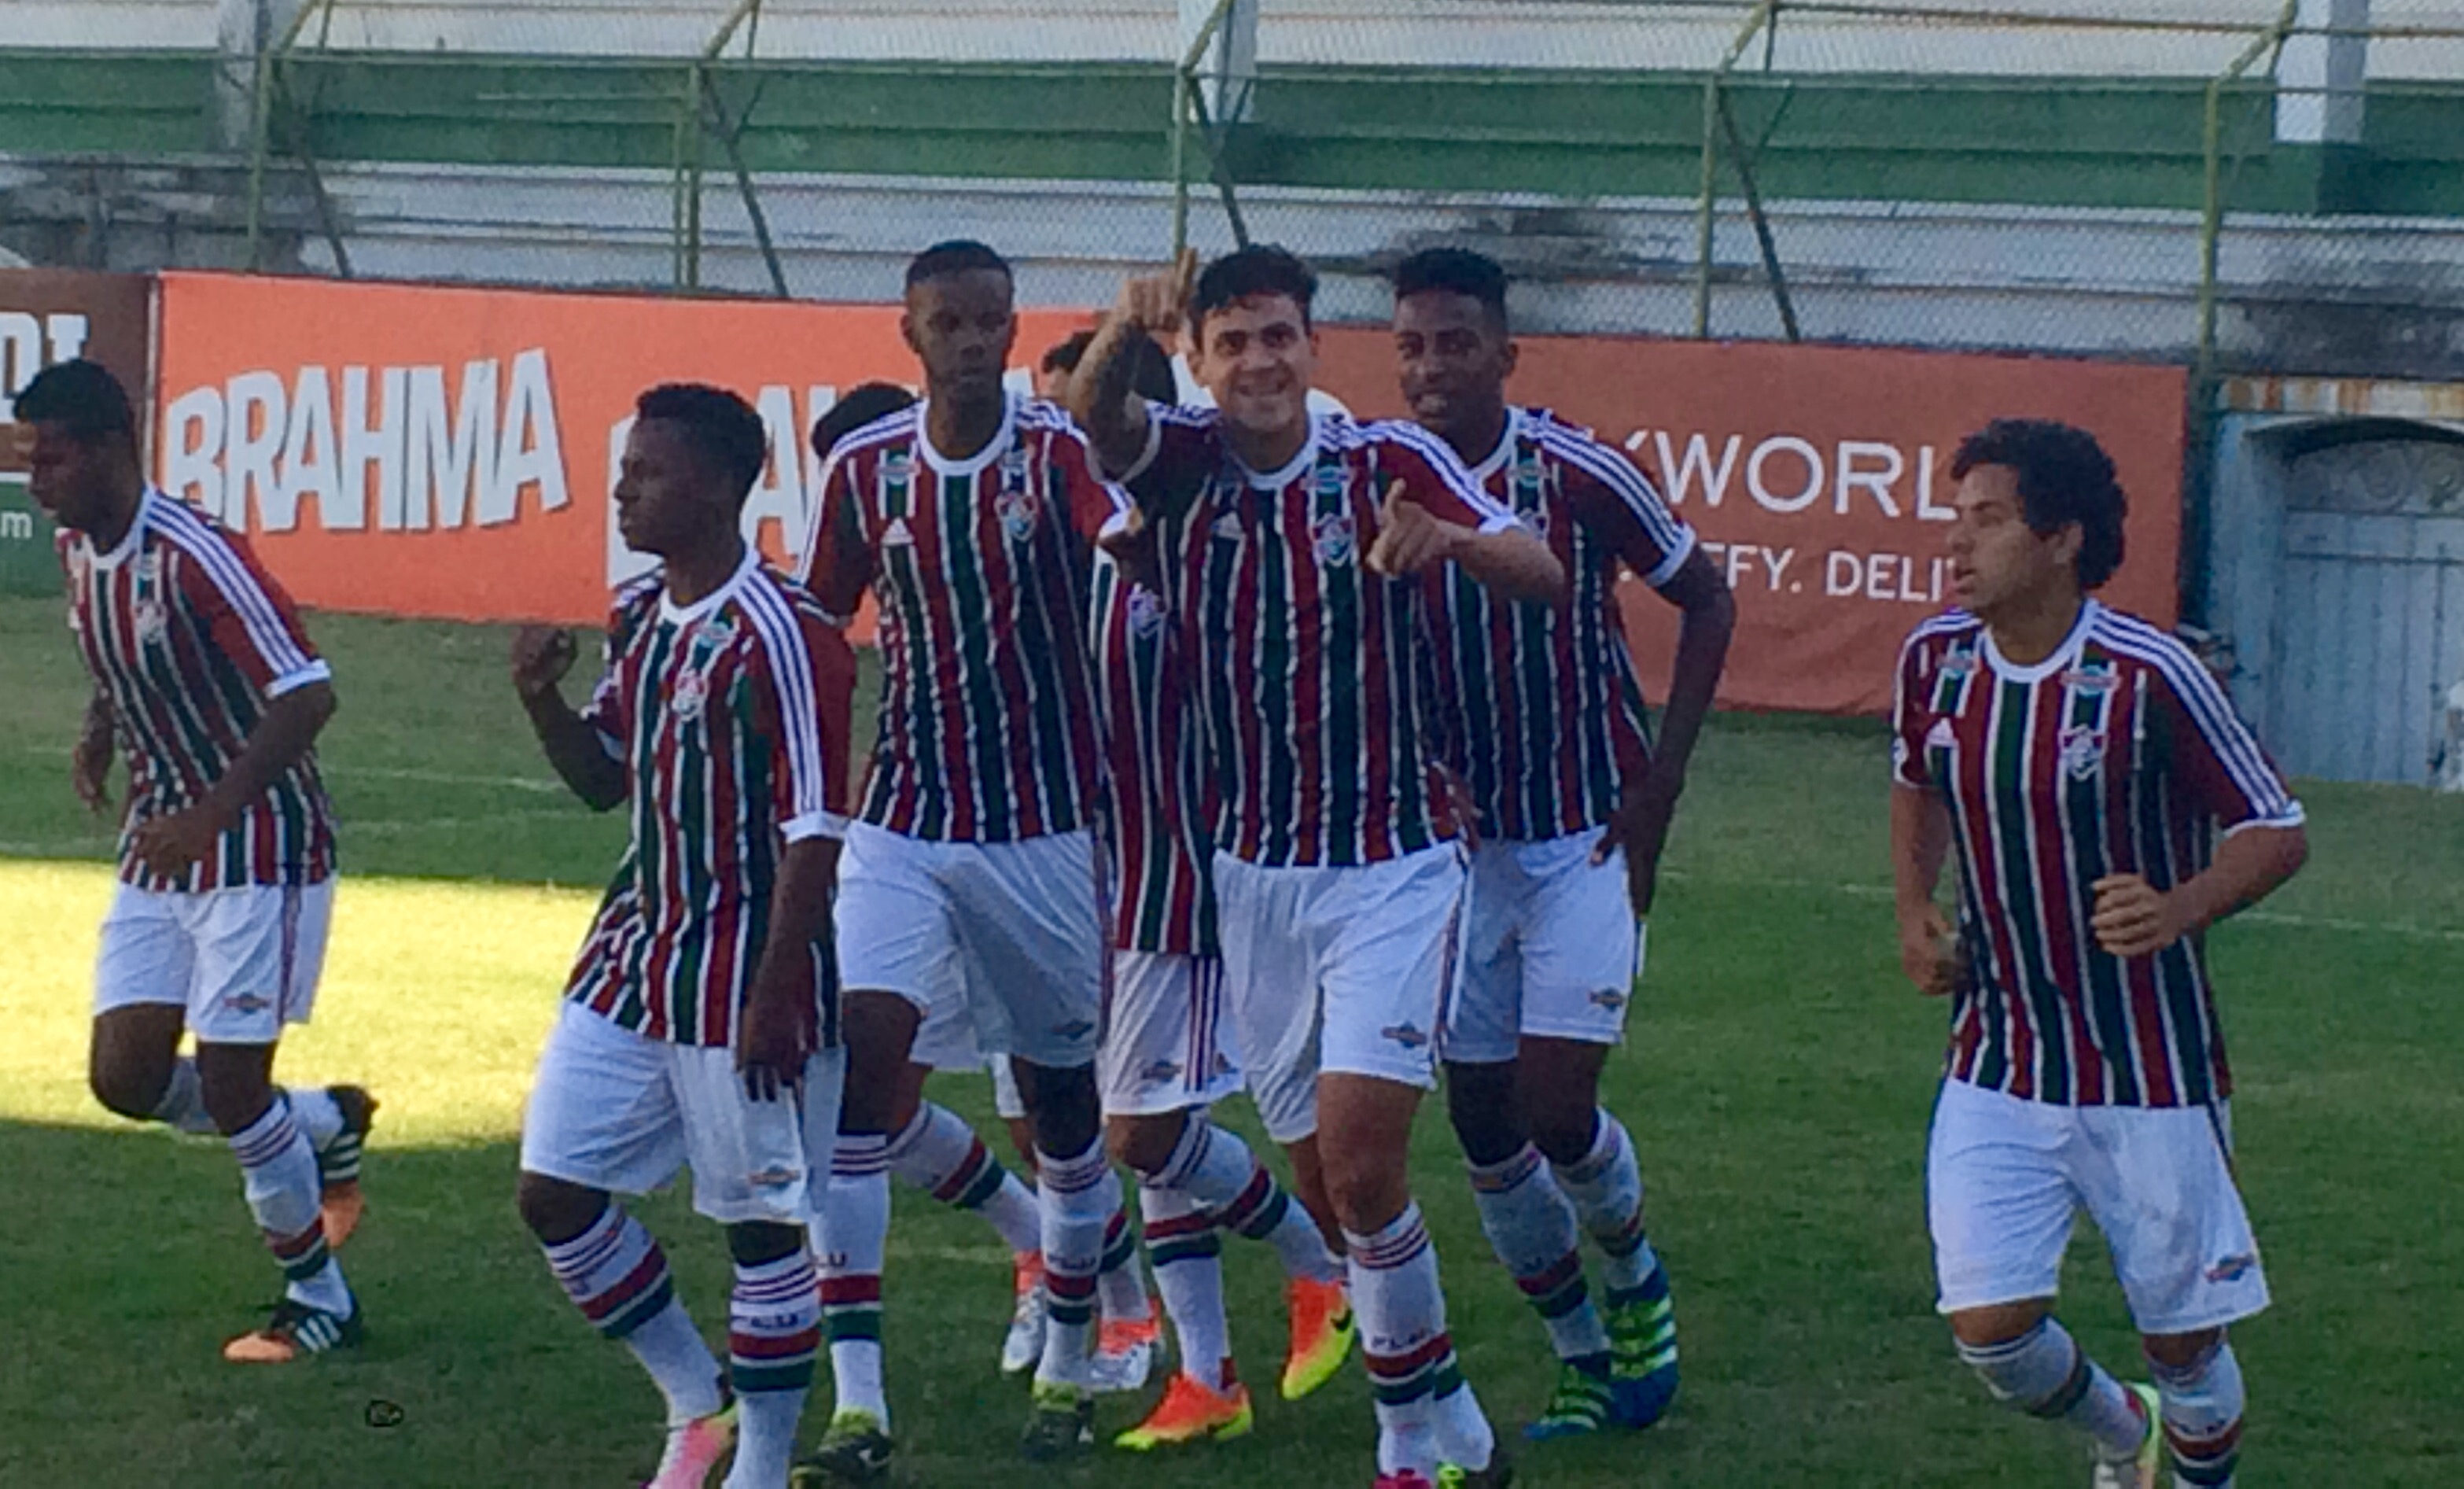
<point>2203,1407</point>
<point>1606,1188</point>
<point>1532,1225</point>
<point>314,1108</point>
<point>184,1101</point>
<point>1188,1257</point>
<point>2044,1373</point>
<point>1079,1193</point>
<point>1425,1411</point>
<point>278,1176</point>
<point>941,1155</point>
<point>1218,1171</point>
<point>850,1238</point>
<point>618,1276</point>
<point>774,1331</point>
<point>1120,1281</point>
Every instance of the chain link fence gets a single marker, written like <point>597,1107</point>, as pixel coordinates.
<point>2237,184</point>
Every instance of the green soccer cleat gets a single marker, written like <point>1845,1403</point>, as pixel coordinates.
<point>855,1449</point>
<point>1583,1403</point>
<point>1062,1422</point>
<point>2139,1471</point>
<point>1499,1475</point>
<point>1642,1341</point>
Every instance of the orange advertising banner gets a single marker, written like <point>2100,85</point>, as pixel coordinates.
<point>449,452</point>
<point>1819,481</point>
<point>420,450</point>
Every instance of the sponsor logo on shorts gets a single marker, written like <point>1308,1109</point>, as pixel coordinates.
<point>248,1002</point>
<point>1157,1072</point>
<point>773,1178</point>
<point>1609,998</point>
<point>2233,1268</point>
<point>1408,1036</point>
<point>1075,1028</point>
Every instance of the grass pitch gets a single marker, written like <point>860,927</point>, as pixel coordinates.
<point>1777,1080</point>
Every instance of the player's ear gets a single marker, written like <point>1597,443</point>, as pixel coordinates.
<point>1512,357</point>
<point>906,331</point>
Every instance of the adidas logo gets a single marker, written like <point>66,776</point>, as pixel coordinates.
<point>1940,736</point>
<point>1228,526</point>
<point>896,535</point>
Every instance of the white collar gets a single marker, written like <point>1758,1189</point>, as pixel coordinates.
<point>945,467</point>
<point>1291,469</point>
<point>685,614</point>
<point>1495,461</point>
<point>133,539</point>
<point>2062,655</point>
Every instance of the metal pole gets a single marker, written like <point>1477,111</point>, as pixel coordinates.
<point>2212,216</point>
<point>1184,83</point>
<point>1708,206</point>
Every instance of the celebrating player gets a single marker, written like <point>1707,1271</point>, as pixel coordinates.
<point>1290,547</point>
<point>972,877</point>
<point>207,682</point>
<point>2080,762</point>
<point>700,1023</point>
<point>1547,728</point>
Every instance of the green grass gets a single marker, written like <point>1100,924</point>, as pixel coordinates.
<point>1778,1082</point>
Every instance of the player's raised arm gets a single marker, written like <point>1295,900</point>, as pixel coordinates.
<point>1102,396</point>
<point>574,746</point>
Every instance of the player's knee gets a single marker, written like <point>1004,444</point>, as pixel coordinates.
<point>753,1243</point>
<point>1562,1127</point>
<point>236,1091</point>
<point>1997,1324</point>
<point>1063,1107</point>
<point>132,1088</point>
<point>1367,1197</point>
<point>1480,1103</point>
<point>556,1211</point>
<point>1143,1145</point>
<point>2179,1352</point>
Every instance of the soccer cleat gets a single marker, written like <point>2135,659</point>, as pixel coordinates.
<point>2139,1471</point>
<point>1024,1346</point>
<point>295,1330</point>
<point>341,1204</point>
<point>1061,1421</point>
<point>1323,1328</point>
<point>1499,1475</point>
<point>1190,1413</point>
<point>1642,1341</point>
<point>1582,1403</point>
<point>695,1450</point>
<point>1125,1354</point>
<point>855,1451</point>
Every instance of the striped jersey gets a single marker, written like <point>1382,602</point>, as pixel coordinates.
<point>1163,884</point>
<point>730,716</point>
<point>189,638</point>
<point>1310,670</point>
<point>1543,716</point>
<point>2119,754</point>
<point>987,723</point>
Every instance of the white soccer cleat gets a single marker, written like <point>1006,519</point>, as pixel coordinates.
<point>1125,1356</point>
<point>1024,1346</point>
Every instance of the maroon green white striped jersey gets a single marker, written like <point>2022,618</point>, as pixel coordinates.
<point>2119,754</point>
<point>189,638</point>
<point>730,716</point>
<point>987,717</point>
<point>1310,670</point>
<point>1164,879</point>
<point>1543,713</point>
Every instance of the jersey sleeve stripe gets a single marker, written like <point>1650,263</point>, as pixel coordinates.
<point>1621,476</point>
<point>223,567</point>
<point>791,674</point>
<point>1658,577</point>
<point>2214,716</point>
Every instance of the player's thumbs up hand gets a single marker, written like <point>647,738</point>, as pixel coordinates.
<point>1409,540</point>
<point>542,654</point>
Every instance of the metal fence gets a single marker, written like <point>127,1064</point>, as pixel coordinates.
<point>2021,174</point>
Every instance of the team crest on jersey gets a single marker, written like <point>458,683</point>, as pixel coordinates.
<point>2082,751</point>
<point>153,621</point>
<point>690,696</point>
<point>1146,611</point>
<point>1337,538</point>
<point>1018,510</point>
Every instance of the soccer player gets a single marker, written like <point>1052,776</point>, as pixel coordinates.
<point>973,874</point>
<point>1290,547</point>
<point>1166,1057</point>
<point>2080,764</point>
<point>1547,729</point>
<point>699,1027</point>
<point>206,683</point>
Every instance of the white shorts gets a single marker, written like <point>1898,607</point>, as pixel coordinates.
<point>2004,1176</point>
<point>1013,932</point>
<point>946,1042</point>
<point>1552,949</point>
<point>612,1110</point>
<point>1346,969</point>
<point>1163,1046</point>
<point>243,961</point>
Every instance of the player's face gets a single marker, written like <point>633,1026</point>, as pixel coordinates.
<point>1052,384</point>
<point>1998,560</point>
<point>68,477</point>
<point>1452,355</point>
<point>1258,357</point>
<point>665,502</point>
<point>961,326</point>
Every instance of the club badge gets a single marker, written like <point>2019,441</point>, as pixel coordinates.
<point>1335,538</point>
